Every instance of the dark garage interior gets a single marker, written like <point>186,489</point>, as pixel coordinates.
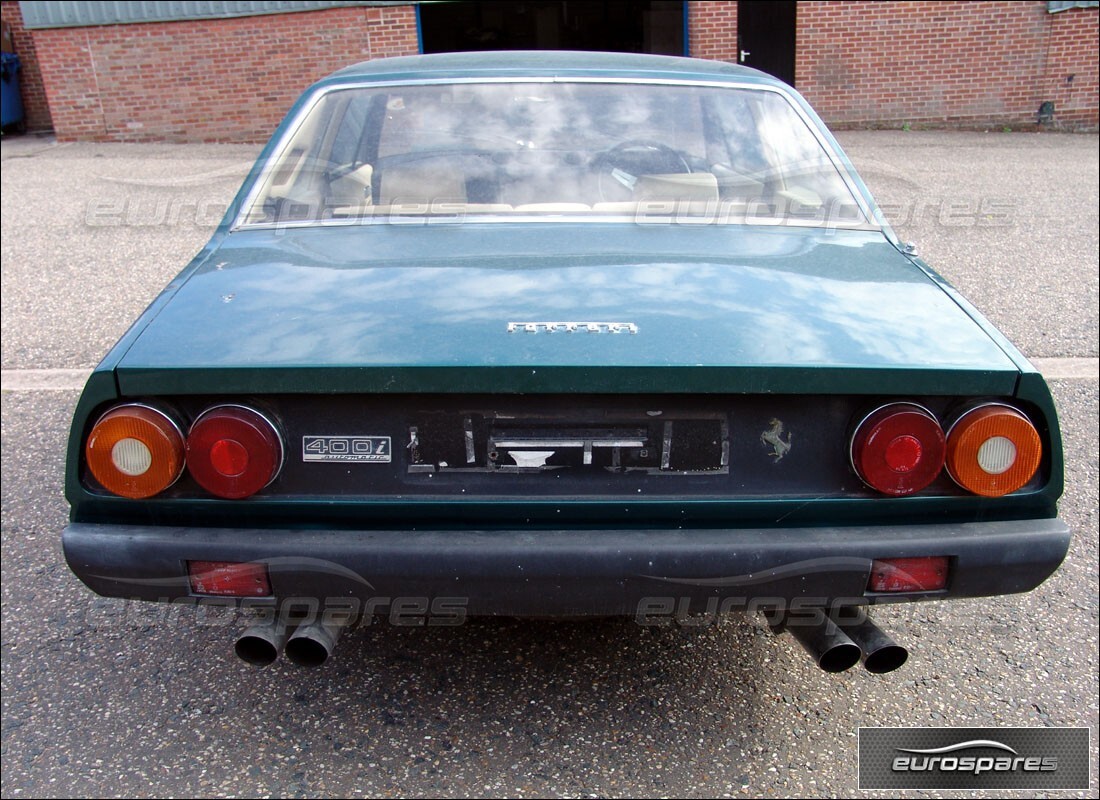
<point>627,26</point>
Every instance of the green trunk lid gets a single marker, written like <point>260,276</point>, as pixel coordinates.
<point>419,307</point>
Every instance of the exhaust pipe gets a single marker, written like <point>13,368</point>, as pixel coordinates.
<point>312,644</point>
<point>880,652</point>
<point>830,647</point>
<point>260,644</point>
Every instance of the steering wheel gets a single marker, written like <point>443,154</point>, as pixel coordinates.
<point>618,168</point>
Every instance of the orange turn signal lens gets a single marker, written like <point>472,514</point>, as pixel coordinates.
<point>993,450</point>
<point>135,451</point>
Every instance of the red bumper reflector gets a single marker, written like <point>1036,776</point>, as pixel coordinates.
<point>229,578</point>
<point>924,574</point>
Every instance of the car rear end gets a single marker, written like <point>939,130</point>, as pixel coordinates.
<point>739,396</point>
<point>437,506</point>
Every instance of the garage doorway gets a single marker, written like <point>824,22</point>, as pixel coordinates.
<point>766,36</point>
<point>624,26</point>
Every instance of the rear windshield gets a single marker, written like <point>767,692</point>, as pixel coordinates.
<point>552,150</point>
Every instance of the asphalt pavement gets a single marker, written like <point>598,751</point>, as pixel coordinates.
<point>106,698</point>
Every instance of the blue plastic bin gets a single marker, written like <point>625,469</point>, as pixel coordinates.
<point>11,104</point>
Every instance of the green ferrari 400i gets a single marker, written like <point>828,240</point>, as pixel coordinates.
<point>561,334</point>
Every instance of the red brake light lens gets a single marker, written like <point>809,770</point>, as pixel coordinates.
<point>233,451</point>
<point>923,574</point>
<point>993,450</point>
<point>135,451</point>
<point>229,578</point>
<point>898,449</point>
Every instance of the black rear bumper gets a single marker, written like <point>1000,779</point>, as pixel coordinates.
<point>570,572</point>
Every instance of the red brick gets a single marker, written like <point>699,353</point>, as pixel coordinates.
<point>858,62</point>
<point>712,30</point>
<point>946,62</point>
<point>224,80</point>
<point>36,109</point>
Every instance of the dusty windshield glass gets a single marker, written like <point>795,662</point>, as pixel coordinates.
<point>592,150</point>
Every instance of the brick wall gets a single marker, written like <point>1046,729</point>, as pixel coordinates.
<point>712,30</point>
<point>36,111</point>
<point>858,63</point>
<point>941,63</point>
<point>218,80</point>
<point>1072,75</point>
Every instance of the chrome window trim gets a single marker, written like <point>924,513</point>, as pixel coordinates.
<point>425,220</point>
<point>292,129</point>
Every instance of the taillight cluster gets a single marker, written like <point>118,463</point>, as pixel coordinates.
<point>991,450</point>
<point>233,451</point>
<point>137,451</point>
<point>898,449</point>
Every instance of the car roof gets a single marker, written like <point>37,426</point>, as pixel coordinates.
<point>543,63</point>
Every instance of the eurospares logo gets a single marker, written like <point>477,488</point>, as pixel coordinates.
<point>950,759</point>
<point>974,758</point>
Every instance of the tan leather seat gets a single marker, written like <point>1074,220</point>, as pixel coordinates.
<point>420,183</point>
<point>553,208</point>
<point>677,186</point>
<point>352,189</point>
